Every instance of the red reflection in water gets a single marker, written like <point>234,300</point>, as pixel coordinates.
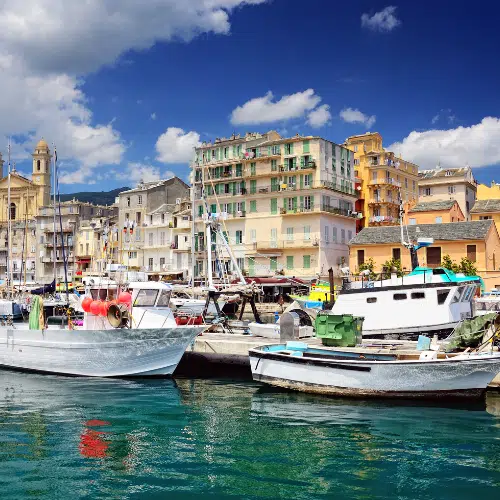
<point>93,443</point>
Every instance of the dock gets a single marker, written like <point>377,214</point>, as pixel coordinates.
<point>226,355</point>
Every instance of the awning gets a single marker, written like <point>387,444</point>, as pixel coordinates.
<point>83,261</point>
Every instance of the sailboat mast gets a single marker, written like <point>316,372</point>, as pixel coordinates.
<point>54,254</point>
<point>193,263</point>
<point>9,234</point>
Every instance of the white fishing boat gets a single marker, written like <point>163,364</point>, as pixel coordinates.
<point>487,303</point>
<point>137,336</point>
<point>339,373</point>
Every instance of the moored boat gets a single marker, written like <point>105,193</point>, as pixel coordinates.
<point>339,373</point>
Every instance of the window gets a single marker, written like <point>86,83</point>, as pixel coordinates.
<point>356,162</point>
<point>139,200</point>
<point>400,296</point>
<point>361,257</point>
<point>433,256</point>
<point>162,238</point>
<point>427,191</point>
<point>150,239</point>
<point>253,235</point>
<point>457,294</point>
<point>253,205</point>
<point>164,299</point>
<point>307,262</point>
<point>451,190</point>
<point>131,255</point>
<point>274,165</point>
<point>253,168</point>
<point>239,237</point>
<point>342,236</point>
<point>307,233</point>
<point>418,295</point>
<point>273,263</point>
<point>138,217</point>
<point>274,206</point>
<point>485,217</point>
<point>289,262</point>
<point>307,203</point>
<point>151,220</point>
<point>12,211</point>
<point>150,262</point>
<point>289,149</point>
<point>396,254</point>
<point>471,253</point>
<point>145,298</point>
<point>438,220</point>
<point>38,165</point>
<point>240,261</point>
<point>305,146</point>
<point>128,201</point>
<point>334,234</point>
<point>326,230</point>
<point>413,222</point>
<point>289,233</point>
<point>162,261</point>
<point>371,300</point>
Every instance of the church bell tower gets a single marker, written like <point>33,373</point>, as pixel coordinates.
<point>41,171</point>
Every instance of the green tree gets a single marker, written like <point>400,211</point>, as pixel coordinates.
<point>370,266</point>
<point>393,263</point>
<point>468,267</point>
<point>450,264</point>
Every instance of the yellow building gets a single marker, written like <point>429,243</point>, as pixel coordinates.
<point>27,196</point>
<point>435,212</point>
<point>477,240</point>
<point>287,203</point>
<point>382,178</point>
<point>491,192</point>
<point>487,210</point>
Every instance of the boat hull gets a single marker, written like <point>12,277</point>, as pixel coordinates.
<point>465,378</point>
<point>96,353</point>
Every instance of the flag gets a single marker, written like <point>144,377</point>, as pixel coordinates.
<point>55,154</point>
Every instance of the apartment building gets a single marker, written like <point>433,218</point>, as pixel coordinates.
<point>435,212</point>
<point>136,206</point>
<point>382,178</point>
<point>491,192</point>
<point>287,203</point>
<point>167,240</point>
<point>59,243</point>
<point>487,210</point>
<point>449,184</point>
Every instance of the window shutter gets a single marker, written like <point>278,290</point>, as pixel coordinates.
<point>294,162</point>
<point>234,188</point>
<point>302,161</point>
<point>243,206</point>
<point>301,181</point>
<point>291,148</point>
<point>312,202</point>
<point>301,202</point>
<point>294,203</point>
<point>213,208</point>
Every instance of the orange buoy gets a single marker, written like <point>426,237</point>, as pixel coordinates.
<point>125,298</point>
<point>95,307</point>
<point>103,308</point>
<point>86,304</point>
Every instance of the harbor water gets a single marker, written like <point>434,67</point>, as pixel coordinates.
<point>119,439</point>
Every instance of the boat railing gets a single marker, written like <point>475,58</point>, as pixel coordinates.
<point>385,278</point>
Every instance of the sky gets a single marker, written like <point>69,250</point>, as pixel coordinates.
<point>126,89</point>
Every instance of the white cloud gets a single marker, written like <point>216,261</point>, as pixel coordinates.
<point>79,37</point>
<point>477,145</point>
<point>153,116</point>
<point>382,21</point>
<point>351,115</point>
<point>135,172</point>
<point>444,115</point>
<point>176,146</point>
<point>320,116</point>
<point>47,45</point>
<point>266,110</point>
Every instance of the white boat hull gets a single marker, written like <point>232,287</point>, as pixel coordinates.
<point>96,353</point>
<point>272,330</point>
<point>405,379</point>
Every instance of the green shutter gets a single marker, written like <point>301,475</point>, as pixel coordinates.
<point>302,203</point>
<point>307,262</point>
<point>289,261</point>
<point>273,261</point>
<point>274,206</point>
<point>294,203</point>
<point>284,202</point>
<point>253,206</point>
<point>274,184</point>
<point>294,162</point>
<point>301,181</point>
<point>200,210</point>
<point>238,169</point>
<point>312,202</point>
<point>268,150</point>
<point>302,162</point>
<point>213,208</point>
<point>253,186</point>
<point>274,165</point>
<point>243,206</point>
<point>253,168</point>
<point>233,188</point>
<point>305,146</point>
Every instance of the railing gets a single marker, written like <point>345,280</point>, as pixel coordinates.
<point>385,181</point>
<point>65,229</point>
<point>322,208</point>
<point>379,201</point>
<point>383,218</point>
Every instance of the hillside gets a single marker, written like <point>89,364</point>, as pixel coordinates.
<point>96,197</point>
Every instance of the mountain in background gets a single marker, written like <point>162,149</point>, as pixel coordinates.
<point>96,197</point>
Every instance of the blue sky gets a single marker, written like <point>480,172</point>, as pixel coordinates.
<point>422,74</point>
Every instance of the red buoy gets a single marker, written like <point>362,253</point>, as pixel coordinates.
<point>86,304</point>
<point>103,308</point>
<point>125,298</point>
<point>95,307</point>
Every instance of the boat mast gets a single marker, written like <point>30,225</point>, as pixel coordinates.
<point>54,211</point>
<point>192,227</point>
<point>9,233</point>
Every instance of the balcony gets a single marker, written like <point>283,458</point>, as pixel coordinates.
<point>311,165</point>
<point>66,229</point>
<point>383,201</point>
<point>386,182</point>
<point>383,220</point>
<point>180,248</point>
<point>323,208</point>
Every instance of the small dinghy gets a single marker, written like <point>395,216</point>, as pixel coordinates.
<point>341,373</point>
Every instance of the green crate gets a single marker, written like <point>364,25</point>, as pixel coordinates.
<point>339,330</point>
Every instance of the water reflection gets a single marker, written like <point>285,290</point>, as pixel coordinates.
<point>85,438</point>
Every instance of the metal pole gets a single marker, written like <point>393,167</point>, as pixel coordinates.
<point>9,234</point>
<point>54,250</point>
<point>209,256</point>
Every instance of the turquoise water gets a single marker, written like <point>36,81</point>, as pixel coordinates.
<point>78,438</point>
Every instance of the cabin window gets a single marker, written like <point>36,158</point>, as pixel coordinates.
<point>371,300</point>
<point>396,254</point>
<point>468,294</point>
<point>457,295</point>
<point>361,257</point>
<point>471,253</point>
<point>418,295</point>
<point>400,296</point>
<point>164,299</point>
<point>145,298</point>
<point>442,295</point>
<point>433,256</point>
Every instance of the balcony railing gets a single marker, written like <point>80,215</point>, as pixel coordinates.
<point>381,201</point>
<point>322,208</point>
<point>385,181</point>
<point>383,218</point>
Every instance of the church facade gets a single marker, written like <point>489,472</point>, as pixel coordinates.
<point>26,197</point>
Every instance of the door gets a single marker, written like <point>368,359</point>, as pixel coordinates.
<point>433,256</point>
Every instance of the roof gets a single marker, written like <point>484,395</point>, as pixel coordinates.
<point>486,206</point>
<point>454,231</point>
<point>444,172</point>
<point>430,206</point>
<point>42,144</point>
